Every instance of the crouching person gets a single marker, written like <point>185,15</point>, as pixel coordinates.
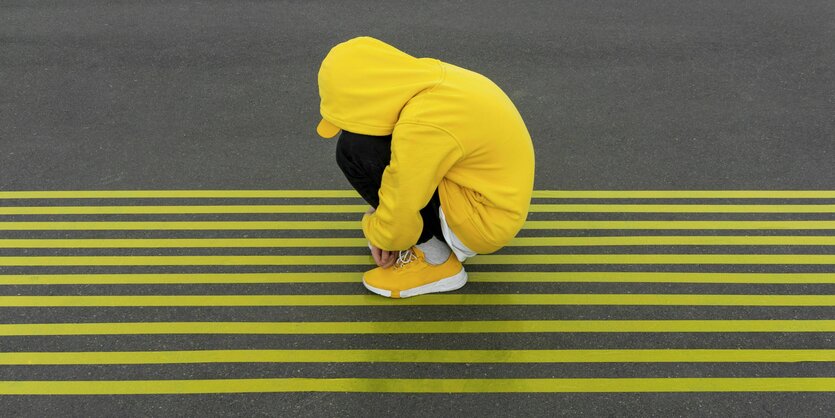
<point>440,154</point>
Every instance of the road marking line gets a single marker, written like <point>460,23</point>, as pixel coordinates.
<point>673,225</point>
<point>322,260</point>
<point>685,194</point>
<point>187,278</point>
<point>653,259</point>
<point>615,208</point>
<point>178,194</point>
<point>355,225</point>
<point>417,356</point>
<point>426,300</point>
<point>361,242</point>
<point>209,260</point>
<point>180,210</point>
<point>668,241</point>
<point>417,327</point>
<point>193,243</point>
<point>651,277</point>
<point>271,209</point>
<point>557,194</point>
<point>365,385</point>
<point>175,225</point>
<point>473,277</point>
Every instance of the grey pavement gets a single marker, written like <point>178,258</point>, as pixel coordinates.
<point>617,95</point>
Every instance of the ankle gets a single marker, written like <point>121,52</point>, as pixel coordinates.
<point>435,251</point>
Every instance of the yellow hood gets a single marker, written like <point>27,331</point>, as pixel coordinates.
<point>364,83</point>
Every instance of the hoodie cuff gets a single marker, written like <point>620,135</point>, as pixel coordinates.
<point>366,228</point>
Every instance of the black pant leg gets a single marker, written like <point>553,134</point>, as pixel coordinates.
<point>363,159</point>
<point>431,220</point>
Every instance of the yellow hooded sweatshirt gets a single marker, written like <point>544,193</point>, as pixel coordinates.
<point>452,129</point>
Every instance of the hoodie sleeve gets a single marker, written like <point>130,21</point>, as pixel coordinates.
<point>420,157</point>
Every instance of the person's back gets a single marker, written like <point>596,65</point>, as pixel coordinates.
<point>458,160</point>
<point>489,188</point>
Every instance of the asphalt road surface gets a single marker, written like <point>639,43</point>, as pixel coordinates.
<point>736,98</point>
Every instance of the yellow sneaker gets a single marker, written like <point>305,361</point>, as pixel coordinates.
<point>411,275</point>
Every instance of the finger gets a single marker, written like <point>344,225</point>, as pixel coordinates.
<point>390,260</point>
<point>375,253</point>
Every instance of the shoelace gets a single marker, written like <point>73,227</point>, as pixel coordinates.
<point>404,258</point>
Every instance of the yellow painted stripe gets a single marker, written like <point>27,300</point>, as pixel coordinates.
<point>188,243</point>
<point>321,260</point>
<point>475,277</point>
<point>651,277</point>
<point>672,225</point>
<point>559,194</point>
<point>612,208</point>
<point>668,241</point>
<point>177,194</point>
<point>417,327</point>
<point>365,385</point>
<point>425,300</point>
<point>685,194</point>
<point>213,260</point>
<point>355,225</point>
<point>182,278</point>
<point>416,356</point>
<point>196,225</point>
<point>361,242</point>
<point>535,208</point>
<point>654,259</point>
<point>197,209</point>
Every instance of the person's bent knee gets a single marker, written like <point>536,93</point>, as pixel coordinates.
<point>343,153</point>
<point>365,150</point>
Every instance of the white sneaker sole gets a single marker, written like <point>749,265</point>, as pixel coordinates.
<point>444,285</point>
